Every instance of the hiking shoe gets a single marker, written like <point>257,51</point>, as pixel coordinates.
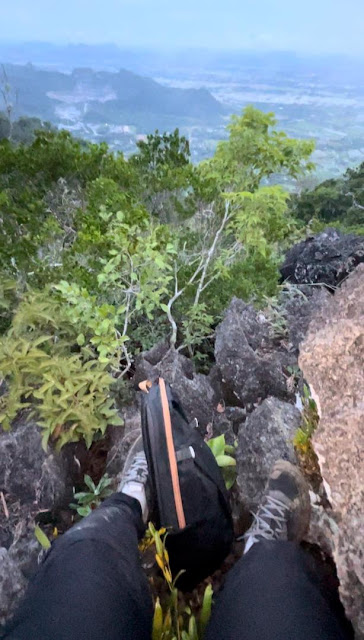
<point>135,475</point>
<point>284,513</point>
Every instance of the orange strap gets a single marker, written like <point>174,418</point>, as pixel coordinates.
<point>172,455</point>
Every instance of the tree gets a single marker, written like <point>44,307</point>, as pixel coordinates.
<point>339,201</point>
<point>254,151</point>
<point>5,127</point>
<point>168,182</point>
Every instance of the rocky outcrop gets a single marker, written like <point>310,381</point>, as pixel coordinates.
<point>121,439</point>
<point>300,304</point>
<point>250,369</point>
<point>266,437</point>
<point>26,471</point>
<point>332,359</point>
<point>31,480</point>
<point>326,258</point>
<point>199,397</point>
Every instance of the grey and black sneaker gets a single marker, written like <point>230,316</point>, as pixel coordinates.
<point>135,475</point>
<point>284,513</point>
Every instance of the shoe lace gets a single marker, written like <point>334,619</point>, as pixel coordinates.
<point>272,512</point>
<point>138,470</point>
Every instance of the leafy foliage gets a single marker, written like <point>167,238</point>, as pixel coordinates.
<point>225,458</point>
<point>339,201</point>
<point>168,182</point>
<point>54,359</point>
<point>103,256</point>
<point>89,500</point>
<point>310,419</point>
<point>173,620</point>
<point>254,151</point>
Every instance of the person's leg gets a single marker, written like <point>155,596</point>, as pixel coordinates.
<point>91,585</point>
<point>274,591</point>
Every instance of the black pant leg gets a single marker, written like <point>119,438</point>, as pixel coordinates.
<point>91,585</point>
<point>273,593</point>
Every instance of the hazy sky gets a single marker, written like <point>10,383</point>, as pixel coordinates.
<point>302,25</point>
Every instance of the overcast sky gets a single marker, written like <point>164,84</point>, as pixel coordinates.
<point>313,26</point>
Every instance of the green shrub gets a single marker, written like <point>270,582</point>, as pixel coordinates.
<point>173,618</point>
<point>55,360</point>
<point>225,458</point>
<point>89,500</point>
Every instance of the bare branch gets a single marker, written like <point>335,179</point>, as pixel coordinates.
<point>355,203</point>
<point>123,346</point>
<point>177,293</point>
<point>211,252</point>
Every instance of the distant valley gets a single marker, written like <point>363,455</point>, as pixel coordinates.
<point>313,97</point>
<point>116,107</point>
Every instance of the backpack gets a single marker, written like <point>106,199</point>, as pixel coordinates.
<point>191,498</point>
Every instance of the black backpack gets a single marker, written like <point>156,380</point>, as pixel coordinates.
<point>192,501</point>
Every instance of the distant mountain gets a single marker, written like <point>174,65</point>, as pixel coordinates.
<point>101,97</point>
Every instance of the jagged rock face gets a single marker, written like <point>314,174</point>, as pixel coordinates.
<point>326,258</point>
<point>249,370</point>
<point>198,396</point>
<point>332,359</point>
<point>299,310</point>
<point>31,480</point>
<point>266,437</point>
<point>26,471</point>
<point>122,438</point>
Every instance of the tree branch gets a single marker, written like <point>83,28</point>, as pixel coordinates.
<point>355,203</point>
<point>211,252</point>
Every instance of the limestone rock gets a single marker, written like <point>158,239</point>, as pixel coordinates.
<point>122,438</point>
<point>195,391</point>
<point>30,479</point>
<point>266,437</point>
<point>332,359</point>
<point>299,308</point>
<point>26,471</point>
<point>17,563</point>
<point>249,368</point>
<point>326,258</point>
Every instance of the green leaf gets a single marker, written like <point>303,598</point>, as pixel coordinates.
<point>225,461</point>
<point>230,450</point>
<point>88,481</point>
<point>205,610</point>
<point>84,511</point>
<point>217,445</point>
<point>41,537</point>
<point>80,339</point>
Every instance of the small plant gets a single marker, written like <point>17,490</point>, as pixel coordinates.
<point>89,500</point>
<point>224,455</point>
<point>310,418</point>
<point>42,538</point>
<point>173,619</point>
<point>276,317</point>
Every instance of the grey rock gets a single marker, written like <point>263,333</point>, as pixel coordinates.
<point>300,305</point>
<point>323,528</point>
<point>332,358</point>
<point>18,563</point>
<point>249,367</point>
<point>194,390</point>
<point>326,258</point>
<point>122,438</point>
<point>228,422</point>
<point>266,437</point>
<point>30,479</point>
<point>26,471</point>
